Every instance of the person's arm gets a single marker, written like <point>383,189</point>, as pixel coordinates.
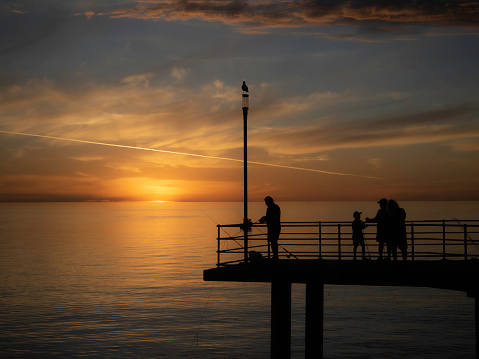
<point>373,220</point>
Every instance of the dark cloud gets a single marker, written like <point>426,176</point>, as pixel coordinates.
<point>22,29</point>
<point>457,122</point>
<point>29,22</point>
<point>451,115</point>
<point>390,17</point>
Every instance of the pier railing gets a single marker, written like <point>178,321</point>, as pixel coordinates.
<point>426,240</point>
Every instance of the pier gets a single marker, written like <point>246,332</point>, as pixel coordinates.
<point>442,254</point>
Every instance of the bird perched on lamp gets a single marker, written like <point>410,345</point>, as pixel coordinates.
<point>244,87</point>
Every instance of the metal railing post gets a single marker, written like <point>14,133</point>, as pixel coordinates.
<point>320,249</point>
<point>219,247</point>
<point>443,239</point>
<point>269,247</point>
<point>339,241</point>
<point>412,242</point>
<point>465,242</point>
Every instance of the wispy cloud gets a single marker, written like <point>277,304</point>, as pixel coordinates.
<point>376,162</point>
<point>466,145</point>
<point>87,158</point>
<point>179,73</point>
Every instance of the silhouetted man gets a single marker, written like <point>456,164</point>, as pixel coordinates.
<point>380,219</point>
<point>273,221</point>
<point>396,229</point>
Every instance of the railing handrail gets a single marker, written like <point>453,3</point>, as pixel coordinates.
<point>423,237</point>
<point>315,224</point>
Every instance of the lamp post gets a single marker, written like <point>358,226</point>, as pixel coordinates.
<point>246,222</point>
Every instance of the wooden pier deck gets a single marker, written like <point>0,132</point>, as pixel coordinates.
<point>452,275</point>
<point>441,254</point>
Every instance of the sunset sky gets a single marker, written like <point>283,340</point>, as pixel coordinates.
<point>141,100</point>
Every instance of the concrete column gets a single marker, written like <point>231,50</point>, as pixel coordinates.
<point>280,319</point>
<point>476,299</point>
<point>314,320</point>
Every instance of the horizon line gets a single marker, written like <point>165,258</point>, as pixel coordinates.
<point>226,201</point>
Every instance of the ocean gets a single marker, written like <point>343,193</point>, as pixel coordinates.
<point>124,280</point>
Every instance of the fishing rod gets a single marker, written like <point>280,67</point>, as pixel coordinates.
<point>279,245</point>
<point>469,238</point>
<point>229,235</point>
<point>249,228</point>
<point>367,248</point>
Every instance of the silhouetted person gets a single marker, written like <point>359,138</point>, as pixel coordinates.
<point>358,237</point>
<point>396,228</point>
<point>273,221</point>
<point>380,219</point>
<point>244,87</point>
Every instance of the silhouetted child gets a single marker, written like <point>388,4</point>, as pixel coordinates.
<point>358,238</point>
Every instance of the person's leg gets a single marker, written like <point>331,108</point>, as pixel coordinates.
<point>381,249</point>
<point>273,235</point>
<point>274,248</point>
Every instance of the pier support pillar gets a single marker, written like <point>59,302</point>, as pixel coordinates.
<point>476,299</point>
<point>314,320</point>
<point>280,319</point>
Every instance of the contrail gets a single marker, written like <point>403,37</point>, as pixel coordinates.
<point>185,154</point>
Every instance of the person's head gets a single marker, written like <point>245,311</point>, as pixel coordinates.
<point>268,200</point>
<point>357,214</point>
<point>392,205</point>
<point>383,202</point>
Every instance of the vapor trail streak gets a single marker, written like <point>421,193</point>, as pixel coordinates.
<point>184,154</point>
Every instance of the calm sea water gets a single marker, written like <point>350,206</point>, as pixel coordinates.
<point>124,280</point>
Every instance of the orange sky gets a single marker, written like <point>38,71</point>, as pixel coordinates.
<point>383,106</point>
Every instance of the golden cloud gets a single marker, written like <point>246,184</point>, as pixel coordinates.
<point>205,120</point>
